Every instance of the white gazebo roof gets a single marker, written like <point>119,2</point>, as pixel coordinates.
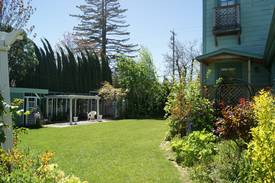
<point>86,97</point>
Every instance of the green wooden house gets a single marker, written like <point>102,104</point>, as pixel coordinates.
<point>238,48</point>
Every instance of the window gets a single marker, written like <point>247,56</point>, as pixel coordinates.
<point>227,2</point>
<point>228,73</point>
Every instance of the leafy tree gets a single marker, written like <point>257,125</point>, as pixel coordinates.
<point>103,27</point>
<point>15,14</point>
<point>145,94</point>
<point>22,62</point>
<point>68,40</point>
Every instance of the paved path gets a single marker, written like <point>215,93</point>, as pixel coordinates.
<point>67,124</point>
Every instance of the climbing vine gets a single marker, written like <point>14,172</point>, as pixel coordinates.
<point>2,134</point>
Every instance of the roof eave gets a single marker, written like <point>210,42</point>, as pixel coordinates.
<point>270,44</point>
<point>205,57</point>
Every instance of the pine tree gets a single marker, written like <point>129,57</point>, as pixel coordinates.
<point>102,29</point>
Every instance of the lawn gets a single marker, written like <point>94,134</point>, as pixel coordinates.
<point>126,151</point>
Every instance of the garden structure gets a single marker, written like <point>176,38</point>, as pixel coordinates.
<point>6,40</point>
<point>32,101</point>
<point>238,48</point>
<point>54,107</point>
<point>71,105</point>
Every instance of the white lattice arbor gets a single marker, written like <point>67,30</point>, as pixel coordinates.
<point>53,103</point>
<point>6,40</point>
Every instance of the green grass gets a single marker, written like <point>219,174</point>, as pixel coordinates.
<point>126,151</point>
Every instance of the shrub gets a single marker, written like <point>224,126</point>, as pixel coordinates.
<point>225,165</point>
<point>177,109</point>
<point>109,93</point>
<point>197,147</point>
<point>256,164</point>
<point>188,110</point>
<point>115,97</point>
<point>236,122</point>
<point>261,150</point>
<point>31,169</point>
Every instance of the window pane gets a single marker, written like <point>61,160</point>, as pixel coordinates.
<point>227,2</point>
<point>228,73</point>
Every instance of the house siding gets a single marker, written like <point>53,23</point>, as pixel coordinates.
<point>256,16</point>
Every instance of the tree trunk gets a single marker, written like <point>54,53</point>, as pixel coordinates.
<point>192,70</point>
<point>104,31</point>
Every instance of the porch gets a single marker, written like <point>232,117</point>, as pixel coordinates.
<point>227,76</point>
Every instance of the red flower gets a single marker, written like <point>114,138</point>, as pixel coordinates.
<point>242,101</point>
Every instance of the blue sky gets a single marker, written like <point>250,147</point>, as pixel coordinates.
<point>150,20</point>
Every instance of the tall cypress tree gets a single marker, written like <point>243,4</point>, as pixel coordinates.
<point>65,79</point>
<point>53,70</point>
<point>74,71</point>
<point>62,71</point>
<point>43,71</point>
<point>85,72</point>
<point>59,72</point>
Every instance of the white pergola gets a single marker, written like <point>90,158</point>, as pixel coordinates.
<point>6,40</point>
<point>70,101</point>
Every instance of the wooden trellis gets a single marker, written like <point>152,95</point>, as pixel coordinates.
<point>229,94</point>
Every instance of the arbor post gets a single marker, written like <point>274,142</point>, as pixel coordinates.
<point>6,40</point>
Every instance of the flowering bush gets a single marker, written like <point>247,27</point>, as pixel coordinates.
<point>109,93</point>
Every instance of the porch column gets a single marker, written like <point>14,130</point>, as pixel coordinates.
<point>27,108</point>
<point>97,108</point>
<point>91,107</point>
<point>75,104</point>
<point>47,107</point>
<point>249,72</point>
<point>56,106</point>
<point>52,108</point>
<point>66,105</point>
<point>5,92</point>
<point>88,106</point>
<point>36,103</point>
<point>71,111</point>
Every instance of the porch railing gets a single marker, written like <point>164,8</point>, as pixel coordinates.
<point>227,20</point>
<point>230,94</point>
